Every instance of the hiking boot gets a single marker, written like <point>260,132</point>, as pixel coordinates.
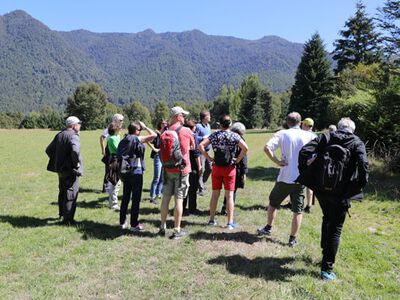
<point>139,227</point>
<point>178,234</point>
<point>231,226</point>
<point>328,276</point>
<point>264,231</point>
<point>307,209</point>
<point>212,223</point>
<point>161,232</point>
<point>125,225</point>
<point>195,212</point>
<point>287,206</point>
<point>292,241</point>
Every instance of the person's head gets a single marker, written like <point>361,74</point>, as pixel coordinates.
<point>332,128</point>
<point>161,124</point>
<point>307,124</point>
<point>225,121</point>
<point>191,124</point>
<point>113,129</point>
<point>239,128</point>
<point>73,123</point>
<point>178,114</point>
<point>205,116</point>
<point>134,128</point>
<point>293,119</point>
<point>346,124</point>
<point>118,119</point>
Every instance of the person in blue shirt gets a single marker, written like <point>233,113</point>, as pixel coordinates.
<point>203,130</point>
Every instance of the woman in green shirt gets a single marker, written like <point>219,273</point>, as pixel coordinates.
<point>113,181</point>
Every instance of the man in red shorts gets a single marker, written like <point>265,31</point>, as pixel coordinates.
<point>224,143</point>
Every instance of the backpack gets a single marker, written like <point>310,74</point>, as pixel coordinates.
<point>126,154</point>
<point>170,149</point>
<point>332,176</point>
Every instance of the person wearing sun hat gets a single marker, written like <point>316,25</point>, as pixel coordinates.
<point>65,159</point>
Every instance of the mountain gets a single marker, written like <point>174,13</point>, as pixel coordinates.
<point>40,66</point>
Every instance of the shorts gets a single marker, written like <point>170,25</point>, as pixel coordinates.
<point>223,174</point>
<point>282,189</point>
<point>175,184</point>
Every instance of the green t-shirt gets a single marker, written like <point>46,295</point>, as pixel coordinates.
<point>112,143</point>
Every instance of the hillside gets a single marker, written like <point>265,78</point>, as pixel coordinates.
<point>39,66</point>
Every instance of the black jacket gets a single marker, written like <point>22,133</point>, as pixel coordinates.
<point>357,175</point>
<point>64,153</point>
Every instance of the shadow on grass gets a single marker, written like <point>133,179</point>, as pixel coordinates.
<point>268,268</point>
<point>170,223</point>
<point>262,173</point>
<point>253,207</point>
<point>241,236</point>
<point>89,190</point>
<point>383,185</point>
<point>98,203</point>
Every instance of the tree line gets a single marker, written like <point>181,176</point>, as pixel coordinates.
<point>363,84</point>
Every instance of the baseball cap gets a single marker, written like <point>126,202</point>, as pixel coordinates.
<point>117,118</point>
<point>178,110</point>
<point>308,122</point>
<point>72,120</point>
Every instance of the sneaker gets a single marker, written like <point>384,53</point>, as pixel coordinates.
<point>154,201</point>
<point>328,276</point>
<point>292,241</point>
<point>115,207</point>
<point>159,196</point>
<point>139,227</point>
<point>264,231</point>
<point>307,209</point>
<point>212,223</point>
<point>178,234</point>
<point>125,225</point>
<point>161,232</point>
<point>231,226</point>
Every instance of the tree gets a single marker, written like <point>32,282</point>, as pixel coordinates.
<point>388,21</point>
<point>251,112</point>
<point>313,83</point>
<point>359,43</point>
<point>88,103</point>
<point>138,112</point>
<point>161,111</point>
<point>265,99</point>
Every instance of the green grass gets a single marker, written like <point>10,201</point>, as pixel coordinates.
<point>39,259</point>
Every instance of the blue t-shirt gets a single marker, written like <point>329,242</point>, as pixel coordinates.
<point>203,131</point>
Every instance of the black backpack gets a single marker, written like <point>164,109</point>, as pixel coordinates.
<point>332,175</point>
<point>127,154</point>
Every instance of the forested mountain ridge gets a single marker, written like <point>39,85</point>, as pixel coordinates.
<point>39,66</point>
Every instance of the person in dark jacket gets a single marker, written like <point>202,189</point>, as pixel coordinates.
<point>65,159</point>
<point>195,164</point>
<point>334,206</point>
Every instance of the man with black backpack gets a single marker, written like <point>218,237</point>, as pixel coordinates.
<point>335,166</point>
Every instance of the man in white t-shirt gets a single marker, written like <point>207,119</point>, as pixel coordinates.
<point>289,141</point>
<point>117,119</point>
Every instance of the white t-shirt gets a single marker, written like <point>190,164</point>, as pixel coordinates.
<point>105,133</point>
<point>290,141</point>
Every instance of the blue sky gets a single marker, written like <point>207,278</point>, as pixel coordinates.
<point>294,20</point>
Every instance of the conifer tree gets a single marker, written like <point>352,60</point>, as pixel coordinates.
<point>251,111</point>
<point>359,42</point>
<point>313,83</point>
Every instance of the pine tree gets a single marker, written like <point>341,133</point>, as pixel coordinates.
<point>161,111</point>
<point>359,43</point>
<point>251,111</point>
<point>265,99</point>
<point>313,83</point>
<point>388,21</point>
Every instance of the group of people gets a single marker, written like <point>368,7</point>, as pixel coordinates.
<point>184,179</point>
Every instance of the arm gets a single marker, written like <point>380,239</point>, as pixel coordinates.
<point>203,151</point>
<point>152,147</point>
<point>271,156</point>
<point>51,148</point>
<point>76,149</point>
<point>362,164</point>
<point>103,145</point>
<point>147,138</point>
<point>243,150</point>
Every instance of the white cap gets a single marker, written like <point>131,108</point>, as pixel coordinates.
<point>72,120</point>
<point>178,110</point>
<point>117,118</point>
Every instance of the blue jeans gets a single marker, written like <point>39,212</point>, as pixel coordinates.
<point>157,183</point>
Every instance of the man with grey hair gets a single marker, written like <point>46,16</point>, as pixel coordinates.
<point>351,169</point>
<point>65,159</point>
<point>290,141</point>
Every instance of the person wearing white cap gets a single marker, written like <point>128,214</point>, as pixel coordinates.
<point>176,179</point>
<point>117,120</point>
<point>65,159</point>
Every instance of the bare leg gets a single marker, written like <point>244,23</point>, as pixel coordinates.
<point>296,223</point>
<point>164,210</point>
<point>229,205</point>
<point>213,203</point>
<point>271,214</point>
<point>178,213</point>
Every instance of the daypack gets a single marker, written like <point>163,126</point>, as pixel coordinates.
<point>332,176</point>
<point>170,149</point>
<point>222,156</point>
<point>126,154</point>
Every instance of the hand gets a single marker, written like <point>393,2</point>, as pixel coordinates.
<point>281,163</point>
<point>142,125</point>
<point>156,150</point>
<point>200,171</point>
<point>310,161</point>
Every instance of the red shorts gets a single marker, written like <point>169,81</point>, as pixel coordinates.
<point>225,174</point>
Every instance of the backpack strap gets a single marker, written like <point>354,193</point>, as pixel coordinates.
<point>178,129</point>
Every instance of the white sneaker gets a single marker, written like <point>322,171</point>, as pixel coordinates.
<point>125,225</point>
<point>115,207</point>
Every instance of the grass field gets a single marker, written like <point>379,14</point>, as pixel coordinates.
<point>40,259</point>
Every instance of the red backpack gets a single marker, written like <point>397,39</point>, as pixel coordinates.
<point>170,149</point>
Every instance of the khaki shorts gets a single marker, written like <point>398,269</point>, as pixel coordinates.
<point>175,184</point>
<point>281,190</point>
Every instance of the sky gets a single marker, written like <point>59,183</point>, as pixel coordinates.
<point>294,20</point>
